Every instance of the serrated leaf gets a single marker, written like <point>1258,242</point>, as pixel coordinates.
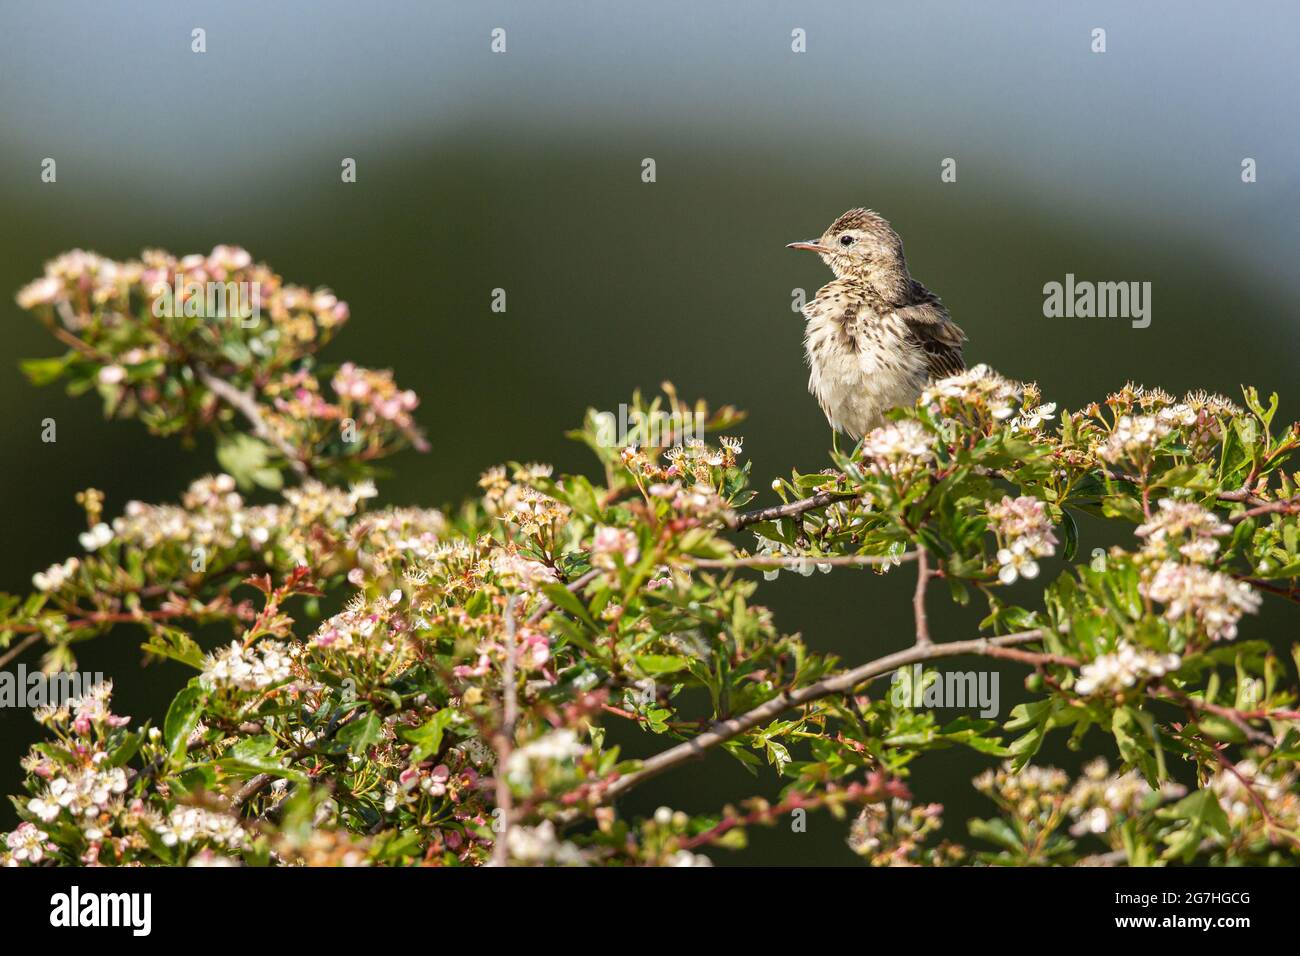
<point>182,718</point>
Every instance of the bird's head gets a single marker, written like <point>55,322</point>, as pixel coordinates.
<point>859,244</point>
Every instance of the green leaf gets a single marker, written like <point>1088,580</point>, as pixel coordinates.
<point>45,371</point>
<point>1133,732</point>
<point>176,645</point>
<point>996,831</point>
<point>1071,529</point>
<point>182,718</point>
<point>1037,717</point>
<point>565,599</point>
<point>254,755</point>
<point>246,459</point>
<point>361,734</point>
<point>427,738</point>
<point>656,664</point>
<point>1201,814</point>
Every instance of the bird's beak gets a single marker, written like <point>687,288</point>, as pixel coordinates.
<point>810,246</point>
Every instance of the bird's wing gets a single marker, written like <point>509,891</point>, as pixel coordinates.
<point>934,332</point>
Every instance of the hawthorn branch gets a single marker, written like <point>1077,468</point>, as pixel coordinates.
<point>256,784</point>
<point>244,403</point>
<point>725,730</point>
<point>923,574</point>
<point>21,646</point>
<point>1286,506</point>
<point>795,560</point>
<point>789,510</point>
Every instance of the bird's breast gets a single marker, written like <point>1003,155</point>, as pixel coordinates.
<point>861,363</point>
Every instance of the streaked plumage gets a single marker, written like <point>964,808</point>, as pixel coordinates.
<point>874,336</point>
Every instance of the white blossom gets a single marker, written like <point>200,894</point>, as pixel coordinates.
<point>1122,668</point>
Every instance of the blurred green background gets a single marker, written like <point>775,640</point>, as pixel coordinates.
<point>522,171</point>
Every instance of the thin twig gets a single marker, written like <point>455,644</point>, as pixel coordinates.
<point>505,741</point>
<point>789,510</point>
<point>244,403</point>
<point>795,560</point>
<point>918,598</point>
<point>1285,506</point>
<point>725,730</point>
<point>261,781</point>
<point>21,646</point>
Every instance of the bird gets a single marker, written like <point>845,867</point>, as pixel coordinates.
<point>874,337</point>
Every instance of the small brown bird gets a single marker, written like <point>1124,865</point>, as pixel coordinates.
<point>875,337</point>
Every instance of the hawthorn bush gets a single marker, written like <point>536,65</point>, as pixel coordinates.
<point>454,711</point>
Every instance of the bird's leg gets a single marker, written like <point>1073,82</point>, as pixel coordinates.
<point>835,442</point>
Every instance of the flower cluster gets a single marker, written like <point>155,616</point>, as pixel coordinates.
<point>1146,416</point>
<point>977,394</point>
<point>894,834</point>
<point>1024,533</point>
<point>1100,800</point>
<point>1241,789</point>
<point>1192,529</point>
<point>898,447</point>
<point>532,759</point>
<point>1124,667</point>
<point>152,334</point>
<point>237,667</point>
<point>612,546</point>
<point>1214,601</point>
<point>190,824</point>
<point>1134,438</point>
<point>56,576</point>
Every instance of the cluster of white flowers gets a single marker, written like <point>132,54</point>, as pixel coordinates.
<point>84,792</point>
<point>898,446</point>
<point>187,824</point>
<point>247,668</point>
<point>412,783</point>
<point>206,857</point>
<point>56,575</point>
<point>96,537</point>
<point>1099,799</point>
<point>1032,419</point>
<point>980,388</point>
<point>1122,668</point>
<point>353,626</point>
<point>557,746</point>
<point>1025,533</point>
<point>531,574</point>
<point>1214,599</point>
<point>1177,520</point>
<point>94,708</point>
<point>27,844</point>
<point>1031,783</point>
<point>609,546</point>
<point>212,516</point>
<point>687,858</point>
<point>539,846</point>
<point>1133,437</point>
<point>534,511</point>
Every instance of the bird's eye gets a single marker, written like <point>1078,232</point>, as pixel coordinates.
<point>846,240</point>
